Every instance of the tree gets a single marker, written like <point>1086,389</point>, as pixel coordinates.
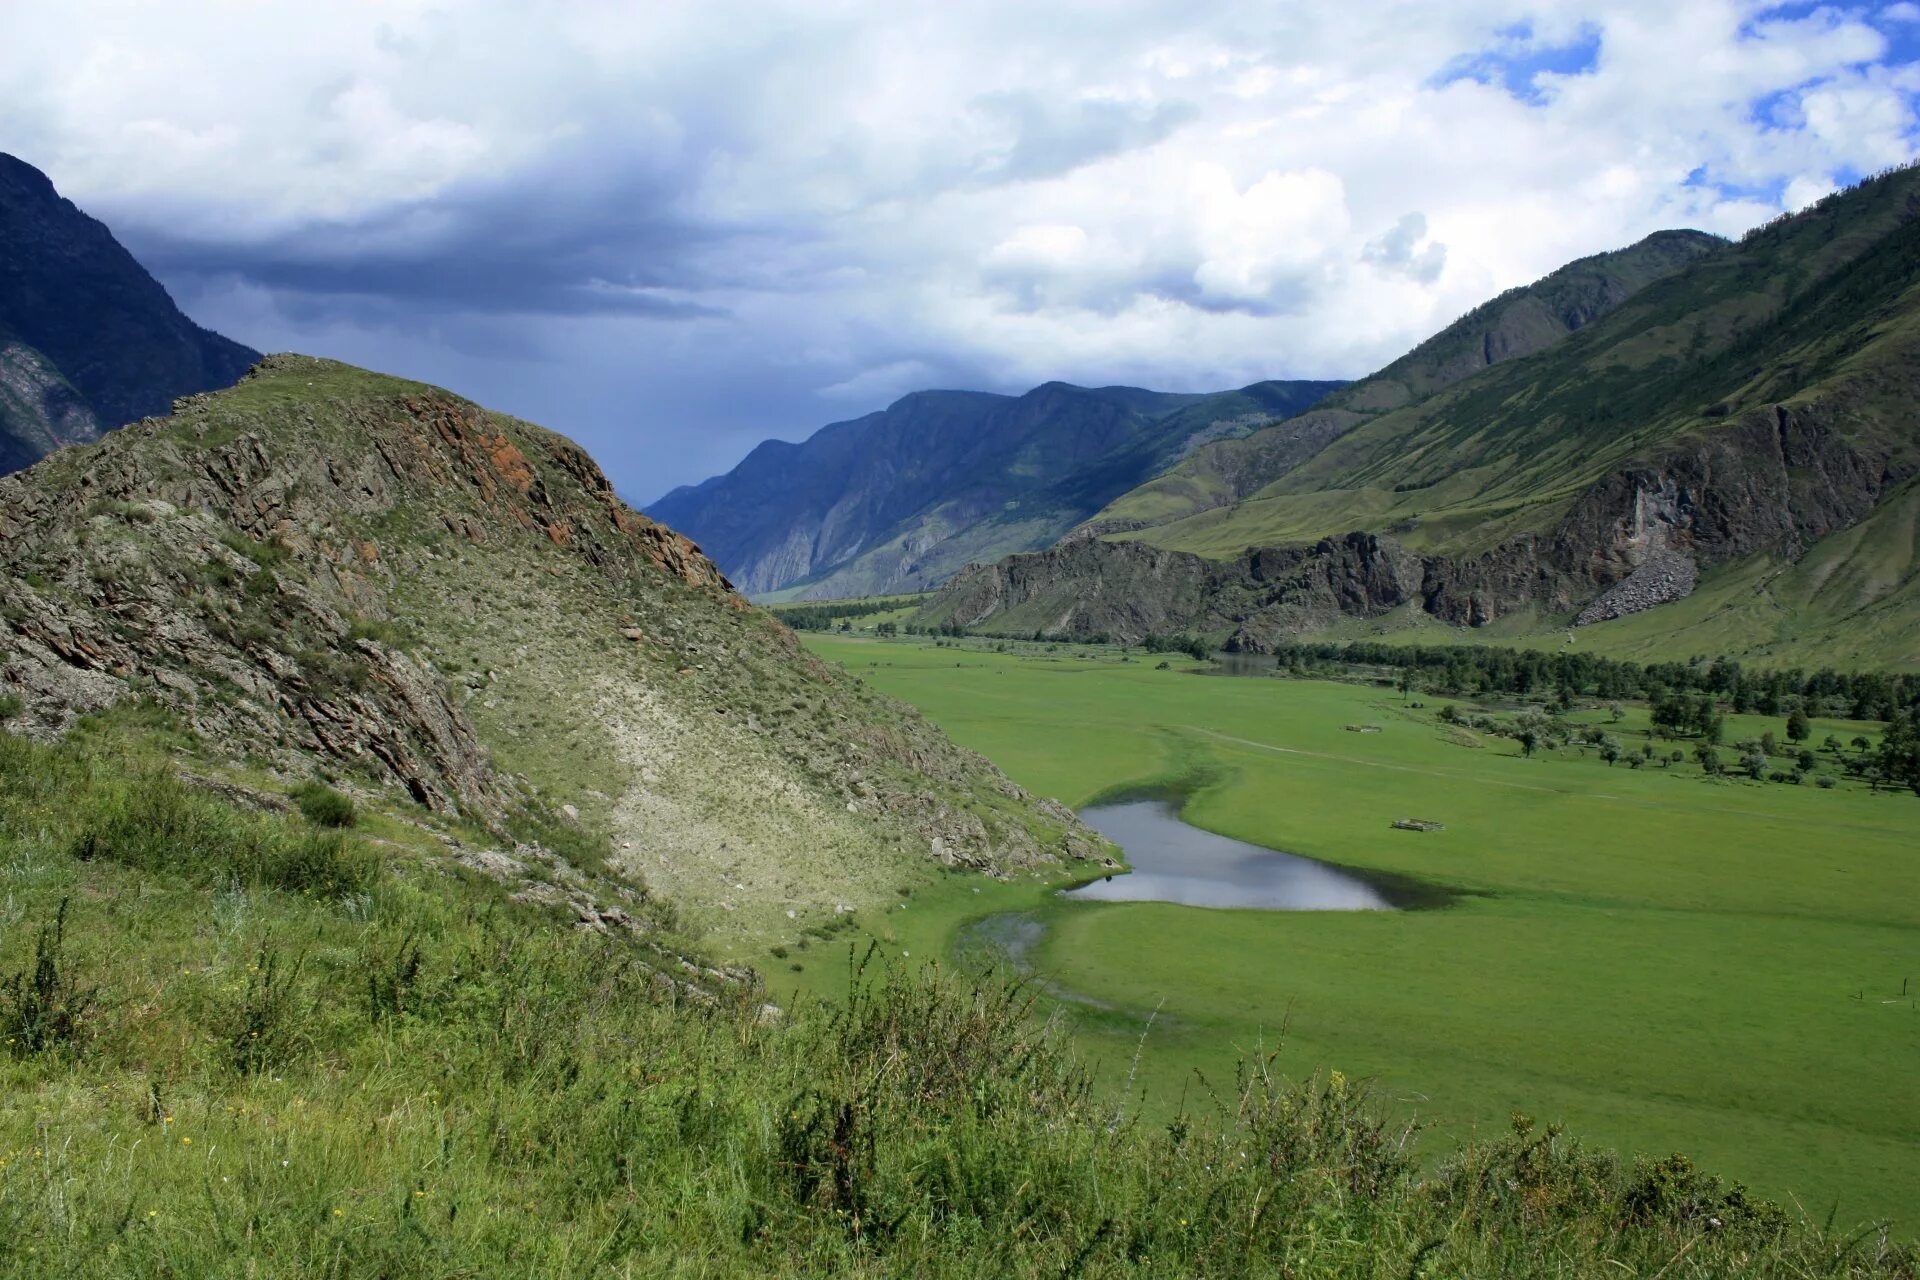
<point>1614,713</point>
<point>1754,761</point>
<point>1899,754</point>
<point>1610,750</point>
<point>1530,730</point>
<point>1709,758</point>
<point>1798,727</point>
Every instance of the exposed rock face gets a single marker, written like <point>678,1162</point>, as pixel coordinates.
<point>1775,479</point>
<point>323,566</point>
<point>77,312</point>
<point>1129,590</point>
<point>39,410</point>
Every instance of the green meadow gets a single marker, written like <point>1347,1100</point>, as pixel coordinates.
<point>1660,961</point>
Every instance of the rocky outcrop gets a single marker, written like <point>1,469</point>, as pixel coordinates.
<point>1129,591</point>
<point>324,569</point>
<point>1775,479</point>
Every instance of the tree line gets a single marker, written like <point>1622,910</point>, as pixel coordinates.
<point>1471,669</point>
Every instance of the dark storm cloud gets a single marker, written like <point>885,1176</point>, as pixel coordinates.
<point>674,230</point>
<point>536,242</point>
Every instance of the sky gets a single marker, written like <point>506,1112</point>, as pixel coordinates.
<point>671,230</point>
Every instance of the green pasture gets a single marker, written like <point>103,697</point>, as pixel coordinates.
<point>1659,960</point>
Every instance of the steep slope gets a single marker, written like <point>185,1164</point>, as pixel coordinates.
<point>324,567</point>
<point>1515,324</point>
<point>901,499</point>
<point>88,340</point>
<point>39,409</point>
<point>1754,404</point>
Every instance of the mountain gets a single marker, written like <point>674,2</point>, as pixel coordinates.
<point>1733,421</point>
<point>324,569</point>
<point>88,340</point>
<point>1518,323</point>
<point>901,499</point>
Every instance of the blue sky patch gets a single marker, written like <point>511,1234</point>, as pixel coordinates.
<point>1518,62</point>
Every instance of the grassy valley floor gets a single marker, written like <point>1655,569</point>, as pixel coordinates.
<point>1660,961</point>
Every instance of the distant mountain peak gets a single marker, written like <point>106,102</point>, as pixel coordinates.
<point>88,339</point>
<point>900,499</point>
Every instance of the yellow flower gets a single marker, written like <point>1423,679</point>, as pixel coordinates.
<point>186,1142</point>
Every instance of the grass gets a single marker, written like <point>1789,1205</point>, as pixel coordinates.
<point>427,1078</point>
<point>1660,960</point>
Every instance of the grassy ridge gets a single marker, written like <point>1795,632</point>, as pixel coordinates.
<point>1661,960</point>
<point>255,1076</point>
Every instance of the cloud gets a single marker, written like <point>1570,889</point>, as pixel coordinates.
<point>1407,250</point>
<point>674,230</point>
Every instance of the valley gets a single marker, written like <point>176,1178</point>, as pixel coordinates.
<point>1336,698</point>
<point>1659,960</point>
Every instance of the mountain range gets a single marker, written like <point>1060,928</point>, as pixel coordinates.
<point>902,499</point>
<point>1692,446</point>
<point>88,339</point>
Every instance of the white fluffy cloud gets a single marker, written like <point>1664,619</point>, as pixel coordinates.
<point>675,228</point>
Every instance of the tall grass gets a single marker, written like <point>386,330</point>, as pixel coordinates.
<point>425,1079</point>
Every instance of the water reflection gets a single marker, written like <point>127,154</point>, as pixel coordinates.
<point>1175,862</point>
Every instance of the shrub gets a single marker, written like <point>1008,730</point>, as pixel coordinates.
<point>392,973</point>
<point>323,806</point>
<point>11,705</point>
<point>264,1027</point>
<point>42,1007</point>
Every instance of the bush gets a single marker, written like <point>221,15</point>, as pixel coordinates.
<point>41,1006</point>
<point>323,806</point>
<point>11,705</point>
<point>264,1027</point>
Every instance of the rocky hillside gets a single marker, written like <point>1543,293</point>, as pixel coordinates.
<point>1518,323</point>
<point>88,340</point>
<point>899,500</point>
<point>1737,417</point>
<point>326,569</point>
